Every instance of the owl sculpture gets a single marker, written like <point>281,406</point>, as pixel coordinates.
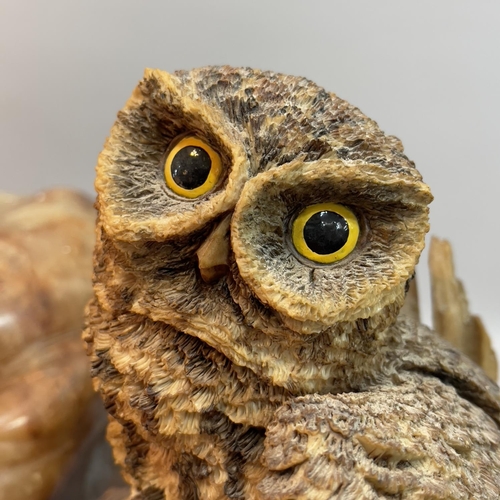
<point>255,239</point>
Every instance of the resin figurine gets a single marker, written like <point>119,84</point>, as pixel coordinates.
<point>256,237</point>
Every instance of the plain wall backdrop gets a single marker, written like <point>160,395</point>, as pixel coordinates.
<point>426,71</point>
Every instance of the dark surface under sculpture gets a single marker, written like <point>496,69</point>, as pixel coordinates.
<point>234,367</point>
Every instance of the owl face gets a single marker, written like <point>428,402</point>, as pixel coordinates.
<point>259,213</point>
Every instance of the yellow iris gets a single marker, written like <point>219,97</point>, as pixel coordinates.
<point>325,232</point>
<point>192,167</point>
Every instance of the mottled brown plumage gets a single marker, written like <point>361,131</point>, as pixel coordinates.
<point>231,366</point>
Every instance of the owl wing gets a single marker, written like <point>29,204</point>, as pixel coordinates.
<point>416,440</point>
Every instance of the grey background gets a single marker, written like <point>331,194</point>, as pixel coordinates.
<point>427,71</point>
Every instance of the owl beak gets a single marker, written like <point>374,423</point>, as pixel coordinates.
<point>213,255</point>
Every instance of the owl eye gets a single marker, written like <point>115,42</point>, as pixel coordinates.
<point>192,168</point>
<point>325,233</point>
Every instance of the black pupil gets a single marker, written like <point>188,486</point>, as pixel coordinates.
<point>190,167</point>
<point>326,232</point>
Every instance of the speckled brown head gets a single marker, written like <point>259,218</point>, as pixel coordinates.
<point>285,144</point>
<point>208,312</point>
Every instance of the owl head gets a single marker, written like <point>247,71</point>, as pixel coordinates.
<point>258,212</point>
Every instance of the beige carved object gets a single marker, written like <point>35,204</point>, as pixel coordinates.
<point>247,347</point>
<point>452,319</point>
<point>45,269</point>
<point>411,307</point>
